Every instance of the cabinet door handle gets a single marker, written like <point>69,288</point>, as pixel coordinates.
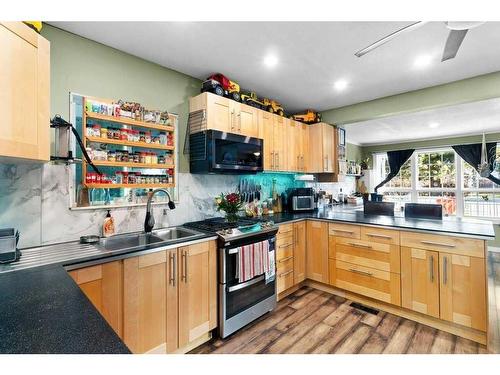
<point>272,160</point>
<point>172,264</point>
<point>296,235</point>
<point>431,265</point>
<point>232,120</point>
<point>285,259</point>
<point>278,160</point>
<point>445,270</point>
<point>359,245</point>
<point>379,236</point>
<point>298,162</point>
<point>185,268</point>
<point>361,272</point>
<point>303,163</point>
<point>285,273</point>
<point>432,243</point>
<point>285,246</point>
<point>343,231</point>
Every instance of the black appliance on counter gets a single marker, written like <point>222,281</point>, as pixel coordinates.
<point>424,211</point>
<point>378,208</point>
<point>240,303</point>
<point>213,151</point>
<point>301,200</point>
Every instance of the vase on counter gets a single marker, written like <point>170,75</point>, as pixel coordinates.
<point>231,217</point>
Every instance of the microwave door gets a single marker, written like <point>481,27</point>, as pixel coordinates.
<point>233,153</point>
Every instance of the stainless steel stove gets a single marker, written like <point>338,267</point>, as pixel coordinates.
<point>240,302</point>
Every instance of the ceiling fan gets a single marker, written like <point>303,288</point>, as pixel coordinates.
<point>458,30</point>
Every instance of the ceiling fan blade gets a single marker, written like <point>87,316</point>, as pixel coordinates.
<point>455,39</point>
<point>389,37</point>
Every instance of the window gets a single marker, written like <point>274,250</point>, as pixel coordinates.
<point>440,176</point>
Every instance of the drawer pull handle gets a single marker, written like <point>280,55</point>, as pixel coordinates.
<point>379,236</point>
<point>360,245</point>
<point>437,244</point>
<point>283,246</point>
<point>343,231</point>
<point>361,272</point>
<point>285,273</point>
<point>285,259</point>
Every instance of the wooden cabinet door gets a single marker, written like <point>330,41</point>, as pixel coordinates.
<point>266,125</point>
<point>299,252</point>
<point>247,122</point>
<point>220,113</point>
<point>420,280</point>
<point>147,300</point>
<point>291,148</point>
<point>316,148</point>
<point>197,291</point>
<point>24,93</point>
<point>317,251</point>
<point>328,132</point>
<point>304,148</point>
<point>103,286</point>
<point>463,290</point>
<point>279,142</point>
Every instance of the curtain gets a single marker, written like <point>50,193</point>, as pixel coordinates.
<point>396,160</point>
<point>472,155</point>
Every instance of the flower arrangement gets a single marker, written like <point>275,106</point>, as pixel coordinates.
<point>229,203</point>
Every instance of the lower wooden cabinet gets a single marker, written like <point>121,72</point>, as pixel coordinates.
<point>103,286</point>
<point>170,298</point>
<point>299,250</point>
<point>317,251</point>
<point>463,290</point>
<point>197,291</point>
<point>420,280</point>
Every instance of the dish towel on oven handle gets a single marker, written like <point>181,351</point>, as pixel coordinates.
<point>254,260</point>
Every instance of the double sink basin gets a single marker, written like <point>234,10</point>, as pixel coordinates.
<point>160,237</point>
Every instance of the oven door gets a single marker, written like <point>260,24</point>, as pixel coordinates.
<point>234,153</point>
<point>239,297</point>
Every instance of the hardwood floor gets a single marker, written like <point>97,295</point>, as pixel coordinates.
<point>312,321</point>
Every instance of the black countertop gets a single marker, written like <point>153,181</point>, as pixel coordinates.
<point>449,225</point>
<point>42,310</point>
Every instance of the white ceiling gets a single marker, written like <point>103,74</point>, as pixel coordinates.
<point>454,121</point>
<point>312,55</point>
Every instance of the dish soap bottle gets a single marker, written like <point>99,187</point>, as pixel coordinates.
<point>108,226</point>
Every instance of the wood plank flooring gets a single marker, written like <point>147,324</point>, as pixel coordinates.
<point>312,321</point>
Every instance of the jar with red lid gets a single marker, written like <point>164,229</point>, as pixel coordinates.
<point>119,177</point>
<point>147,137</point>
<point>125,177</point>
<point>170,139</point>
<point>123,134</point>
<point>96,130</point>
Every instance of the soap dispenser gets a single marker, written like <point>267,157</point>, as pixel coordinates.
<point>108,226</point>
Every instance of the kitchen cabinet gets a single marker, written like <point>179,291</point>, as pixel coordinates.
<point>225,115</point>
<point>24,93</point>
<point>302,150</point>
<point>150,302</point>
<point>420,280</point>
<point>322,139</point>
<point>170,298</point>
<point>197,291</point>
<point>299,250</point>
<point>285,257</point>
<point>317,251</point>
<point>103,286</point>
<point>273,132</point>
<point>462,290</point>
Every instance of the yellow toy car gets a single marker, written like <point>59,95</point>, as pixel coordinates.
<point>308,117</point>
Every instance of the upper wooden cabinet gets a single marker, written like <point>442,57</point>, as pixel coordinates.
<point>225,115</point>
<point>322,140</point>
<point>24,93</point>
<point>273,130</point>
<point>103,286</point>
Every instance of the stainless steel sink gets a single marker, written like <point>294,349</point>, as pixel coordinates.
<point>137,240</point>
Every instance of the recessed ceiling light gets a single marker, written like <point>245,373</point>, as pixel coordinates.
<point>340,85</point>
<point>422,61</point>
<point>433,125</point>
<point>271,61</point>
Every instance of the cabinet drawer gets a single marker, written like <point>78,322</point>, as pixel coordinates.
<point>448,244</point>
<point>380,285</point>
<point>384,257</point>
<point>284,239</point>
<point>284,228</point>
<point>284,281</point>
<point>344,230</point>
<point>284,264</point>
<point>284,251</point>
<point>380,235</point>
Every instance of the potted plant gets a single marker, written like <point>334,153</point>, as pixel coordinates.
<point>229,203</point>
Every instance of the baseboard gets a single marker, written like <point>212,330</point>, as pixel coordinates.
<point>194,344</point>
<point>455,329</point>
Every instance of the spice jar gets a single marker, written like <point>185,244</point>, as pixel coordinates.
<point>104,132</point>
<point>112,156</point>
<point>135,157</point>
<point>142,137</point>
<point>169,158</point>
<point>125,156</point>
<point>170,176</point>
<point>154,158</point>
<point>163,138</point>
<point>147,158</point>
<point>119,177</point>
<point>147,137</point>
<point>96,130</point>
<point>170,139</point>
<point>161,159</point>
<point>130,135</point>
<point>110,133</point>
<point>123,134</point>
<point>142,158</point>
<point>125,177</point>
<point>89,131</point>
<point>116,134</point>
<point>132,178</point>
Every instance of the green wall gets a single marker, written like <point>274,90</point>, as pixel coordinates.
<point>482,87</point>
<point>89,68</point>
<point>353,152</point>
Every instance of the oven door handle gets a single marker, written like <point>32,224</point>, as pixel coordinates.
<point>245,284</point>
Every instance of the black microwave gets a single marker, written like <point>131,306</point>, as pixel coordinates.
<point>213,151</point>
